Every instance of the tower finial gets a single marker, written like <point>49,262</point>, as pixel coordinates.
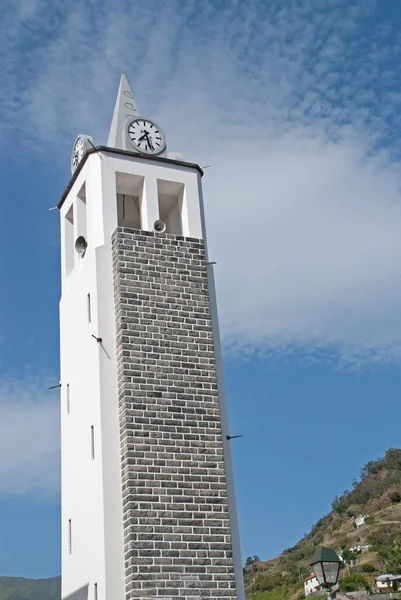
<point>125,108</point>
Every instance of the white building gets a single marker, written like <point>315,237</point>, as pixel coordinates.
<point>148,502</point>
<point>360,548</point>
<point>360,520</point>
<point>384,581</point>
<point>311,584</point>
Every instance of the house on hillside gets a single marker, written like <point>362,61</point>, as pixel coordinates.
<point>383,582</point>
<point>360,520</point>
<point>311,584</point>
<point>360,548</point>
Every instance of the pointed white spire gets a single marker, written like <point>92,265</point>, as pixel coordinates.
<point>124,109</point>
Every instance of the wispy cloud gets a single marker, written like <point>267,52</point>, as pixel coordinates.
<point>308,245</point>
<point>29,440</point>
<point>286,62</point>
<point>297,107</point>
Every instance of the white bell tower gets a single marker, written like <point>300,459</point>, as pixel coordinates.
<point>148,502</point>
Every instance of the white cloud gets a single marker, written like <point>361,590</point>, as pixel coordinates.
<point>306,235</point>
<point>291,102</point>
<point>29,440</point>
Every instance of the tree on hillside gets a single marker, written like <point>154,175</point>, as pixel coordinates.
<point>395,496</point>
<point>266,582</point>
<point>338,505</point>
<point>371,468</point>
<point>354,582</point>
<point>389,551</point>
<point>252,561</point>
<point>348,555</point>
<point>367,568</point>
<point>392,459</point>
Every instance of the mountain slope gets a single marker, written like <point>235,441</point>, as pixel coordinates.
<point>376,494</point>
<point>19,588</point>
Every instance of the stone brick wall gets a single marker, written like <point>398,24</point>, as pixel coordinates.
<point>176,523</point>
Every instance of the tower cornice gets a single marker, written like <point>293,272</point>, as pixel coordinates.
<point>118,151</point>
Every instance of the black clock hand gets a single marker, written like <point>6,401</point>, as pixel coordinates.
<point>146,134</point>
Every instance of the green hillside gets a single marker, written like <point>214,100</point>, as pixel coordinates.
<point>19,588</point>
<point>377,493</point>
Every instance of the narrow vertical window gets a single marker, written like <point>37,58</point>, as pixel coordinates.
<point>69,251</point>
<point>171,198</point>
<point>92,442</point>
<point>95,591</point>
<point>69,537</point>
<point>68,398</point>
<point>88,307</point>
<point>130,198</point>
<point>81,212</point>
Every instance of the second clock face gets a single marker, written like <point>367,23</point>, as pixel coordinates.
<point>77,153</point>
<point>145,136</point>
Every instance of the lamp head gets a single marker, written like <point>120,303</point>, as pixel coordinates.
<point>326,565</point>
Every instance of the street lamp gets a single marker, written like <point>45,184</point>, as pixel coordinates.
<point>326,565</point>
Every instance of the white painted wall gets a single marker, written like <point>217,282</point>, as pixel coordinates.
<point>82,479</point>
<point>91,489</point>
<point>152,172</point>
<point>359,521</point>
<point>311,585</point>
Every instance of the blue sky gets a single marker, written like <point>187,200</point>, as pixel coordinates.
<point>296,106</point>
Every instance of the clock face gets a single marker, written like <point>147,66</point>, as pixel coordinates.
<point>77,153</point>
<point>145,136</point>
<point>82,145</point>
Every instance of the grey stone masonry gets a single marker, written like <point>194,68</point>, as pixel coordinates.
<point>176,525</point>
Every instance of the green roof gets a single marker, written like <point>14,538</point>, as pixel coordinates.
<point>324,555</point>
